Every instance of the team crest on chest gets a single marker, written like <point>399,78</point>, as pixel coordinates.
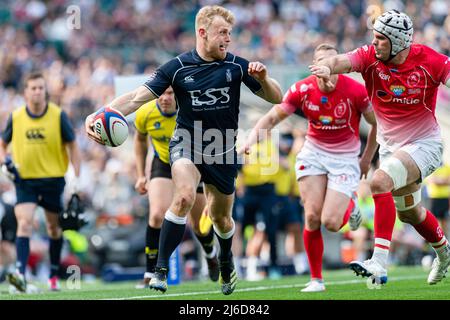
<point>228,75</point>
<point>340,109</point>
<point>413,79</point>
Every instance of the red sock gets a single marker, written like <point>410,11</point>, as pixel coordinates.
<point>385,213</point>
<point>314,249</point>
<point>430,230</point>
<point>347,213</point>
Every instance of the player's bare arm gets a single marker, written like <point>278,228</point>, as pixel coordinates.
<point>126,103</point>
<point>268,122</point>
<point>74,156</point>
<point>140,153</point>
<point>3,150</point>
<point>332,65</point>
<point>371,145</point>
<point>271,90</point>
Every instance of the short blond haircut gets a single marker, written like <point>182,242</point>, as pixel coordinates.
<point>206,15</point>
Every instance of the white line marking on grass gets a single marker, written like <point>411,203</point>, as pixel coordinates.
<point>261,288</point>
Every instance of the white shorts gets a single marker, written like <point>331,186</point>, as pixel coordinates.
<point>343,173</point>
<point>427,154</point>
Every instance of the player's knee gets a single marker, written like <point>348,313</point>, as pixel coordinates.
<point>312,222</point>
<point>380,182</point>
<point>156,220</point>
<point>24,228</point>
<point>222,222</point>
<point>331,223</point>
<point>53,231</point>
<point>184,199</point>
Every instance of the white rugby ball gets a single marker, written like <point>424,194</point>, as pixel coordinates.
<point>112,126</point>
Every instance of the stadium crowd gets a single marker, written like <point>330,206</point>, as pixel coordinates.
<point>133,37</point>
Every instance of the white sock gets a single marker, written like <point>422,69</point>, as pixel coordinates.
<point>441,248</point>
<point>381,251</point>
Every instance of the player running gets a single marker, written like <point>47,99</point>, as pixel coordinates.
<point>157,120</point>
<point>402,80</point>
<point>327,167</point>
<point>206,82</point>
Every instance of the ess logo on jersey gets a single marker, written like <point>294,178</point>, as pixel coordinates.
<point>35,134</point>
<point>210,96</point>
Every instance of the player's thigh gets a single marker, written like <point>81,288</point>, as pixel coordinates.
<point>25,212</point>
<point>197,210</point>
<point>418,160</point>
<point>160,194</point>
<point>312,192</point>
<point>334,206</point>
<point>185,177</point>
<point>220,204</point>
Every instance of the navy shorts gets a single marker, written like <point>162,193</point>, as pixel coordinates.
<point>47,193</point>
<point>8,224</point>
<point>289,211</point>
<point>220,175</point>
<point>160,169</point>
<point>440,207</point>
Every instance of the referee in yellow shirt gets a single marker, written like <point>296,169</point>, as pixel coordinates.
<point>42,141</point>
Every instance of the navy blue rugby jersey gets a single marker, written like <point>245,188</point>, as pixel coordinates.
<point>205,91</point>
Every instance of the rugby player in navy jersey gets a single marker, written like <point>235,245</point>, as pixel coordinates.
<point>206,82</point>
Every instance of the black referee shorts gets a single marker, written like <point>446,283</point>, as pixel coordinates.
<point>160,169</point>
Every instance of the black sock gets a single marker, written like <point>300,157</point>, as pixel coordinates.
<point>170,238</point>
<point>23,252</point>
<point>207,241</point>
<point>55,256</point>
<point>151,248</point>
<point>225,248</point>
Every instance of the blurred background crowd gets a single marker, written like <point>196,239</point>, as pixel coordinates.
<point>81,60</point>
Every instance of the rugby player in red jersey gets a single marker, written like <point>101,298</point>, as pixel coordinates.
<point>402,80</point>
<point>327,167</point>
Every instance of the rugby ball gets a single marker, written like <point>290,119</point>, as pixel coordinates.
<point>111,126</point>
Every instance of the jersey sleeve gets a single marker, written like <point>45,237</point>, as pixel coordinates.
<point>247,79</point>
<point>139,122</point>
<point>67,132</point>
<point>292,100</point>
<point>363,103</point>
<point>162,78</point>
<point>7,133</point>
<point>444,69</point>
<point>359,58</point>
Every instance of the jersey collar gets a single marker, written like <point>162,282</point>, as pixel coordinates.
<point>36,116</point>
<point>165,114</point>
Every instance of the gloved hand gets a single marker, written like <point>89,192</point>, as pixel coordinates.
<point>10,171</point>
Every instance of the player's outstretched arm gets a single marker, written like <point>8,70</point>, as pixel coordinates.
<point>371,145</point>
<point>126,103</point>
<point>271,90</point>
<point>332,65</point>
<point>264,125</point>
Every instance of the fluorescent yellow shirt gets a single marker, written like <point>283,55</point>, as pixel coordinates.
<point>151,120</point>
<point>261,165</point>
<point>37,145</point>
<point>439,191</point>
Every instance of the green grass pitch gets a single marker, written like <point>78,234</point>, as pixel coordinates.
<point>405,283</point>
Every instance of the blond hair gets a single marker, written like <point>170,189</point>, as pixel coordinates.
<point>325,47</point>
<point>205,16</point>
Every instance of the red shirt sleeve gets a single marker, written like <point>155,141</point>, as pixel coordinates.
<point>359,58</point>
<point>363,103</point>
<point>292,99</point>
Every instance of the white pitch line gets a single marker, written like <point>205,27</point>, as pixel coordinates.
<point>261,288</point>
